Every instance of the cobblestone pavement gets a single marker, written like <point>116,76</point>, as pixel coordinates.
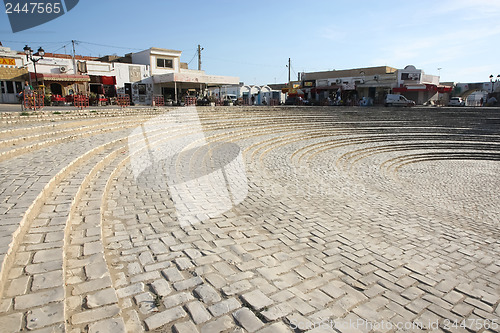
<point>251,220</point>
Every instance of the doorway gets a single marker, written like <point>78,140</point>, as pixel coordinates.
<point>128,91</point>
<point>56,89</point>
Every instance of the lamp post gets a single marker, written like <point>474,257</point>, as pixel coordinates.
<point>29,56</point>
<point>493,85</point>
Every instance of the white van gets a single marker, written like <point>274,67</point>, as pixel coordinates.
<point>398,100</point>
<point>231,97</point>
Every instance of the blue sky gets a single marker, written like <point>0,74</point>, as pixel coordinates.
<point>253,40</point>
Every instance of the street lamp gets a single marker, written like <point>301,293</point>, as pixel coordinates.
<point>29,56</point>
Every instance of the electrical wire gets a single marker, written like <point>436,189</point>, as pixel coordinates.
<point>110,46</point>
<point>61,47</point>
<point>193,57</point>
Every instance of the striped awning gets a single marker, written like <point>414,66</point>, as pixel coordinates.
<point>61,77</point>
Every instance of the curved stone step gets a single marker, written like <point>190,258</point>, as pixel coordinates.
<point>36,280</point>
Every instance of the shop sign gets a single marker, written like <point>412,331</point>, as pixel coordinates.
<point>7,61</point>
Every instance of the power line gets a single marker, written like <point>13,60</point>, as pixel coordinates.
<point>193,57</point>
<point>110,46</point>
<point>64,46</point>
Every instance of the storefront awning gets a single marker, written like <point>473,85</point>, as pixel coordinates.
<point>423,87</point>
<point>108,80</point>
<point>61,77</point>
<point>195,79</point>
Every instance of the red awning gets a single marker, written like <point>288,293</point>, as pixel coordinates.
<point>444,89</point>
<point>108,80</point>
<point>61,77</point>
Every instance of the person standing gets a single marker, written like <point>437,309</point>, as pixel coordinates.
<point>28,89</point>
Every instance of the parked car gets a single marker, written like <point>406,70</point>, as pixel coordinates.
<point>398,100</point>
<point>456,101</point>
<point>231,97</point>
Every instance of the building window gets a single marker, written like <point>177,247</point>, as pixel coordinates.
<point>10,87</point>
<point>164,63</point>
<point>3,87</point>
<point>142,89</point>
<point>19,87</point>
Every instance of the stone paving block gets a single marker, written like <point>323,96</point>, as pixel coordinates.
<point>184,263</point>
<point>257,299</point>
<point>96,271</point>
<point>40,298</point>
<point>90,286</point>
<point>277,311</point>
<point>185,327</point>
<point>198,312</point>
<point>153,275</point>
<point>147,303</point>
<point>172,274</point>
<point>45,316</point>
<point>12,323</point>
<point>301,306</point>
<point>146,258</point>
<point>177,299</point>
<point>237,287</point>
<point>47,280</point>
<point>248,319</point>
<point>157,266</point>
<point>47,255</point>
<point>188,283</point>
<point>130,290</point>
<point>207,294</point>
<point>108,325</point>
<point>224,307</point>
<point>92,248</point>
<point>95,314</point>
<point>103,297</point>
<point>161,287</point>
<point>160,319</point>
<point>133,323</point>
<point>276,328</point>
<point>219,325</point>
<point>17,286</point>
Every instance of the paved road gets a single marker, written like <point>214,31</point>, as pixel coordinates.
<point>251,220</point>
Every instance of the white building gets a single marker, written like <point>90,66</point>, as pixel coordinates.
<point>172,79</point>
<point>13,72</point>
<point>262,94</point>
<point>140,75</point>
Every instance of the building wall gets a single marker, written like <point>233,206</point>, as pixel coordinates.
<point>356,72</point>
<point>12,74</point>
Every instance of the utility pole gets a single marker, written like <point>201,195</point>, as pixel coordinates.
<point>75,70</point>
<point>74,59</point>
<point>199,56</point>
<point>289,65</point>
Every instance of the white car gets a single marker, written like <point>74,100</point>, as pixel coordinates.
<point>456,101</point>
<point>398,100</point>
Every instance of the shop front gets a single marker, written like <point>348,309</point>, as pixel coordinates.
<point>176,87</point>
<point>61,84</point>
<point>11,80</point>
<point>423,93</point>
